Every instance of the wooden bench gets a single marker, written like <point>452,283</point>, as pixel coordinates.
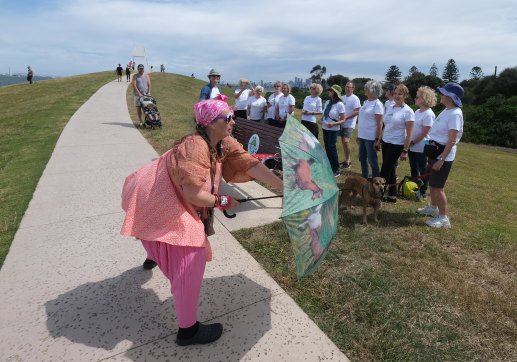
<point>252,134</point>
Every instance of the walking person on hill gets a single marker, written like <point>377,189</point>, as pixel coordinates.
<point>312,107</point>
<point>30,74</point>
<point>141,87</point>
<point>119,73</point>
<point>128,74</point>
<point>162,68</point>
<point>352,105</point>
<point>424,119</point>
<point>446,131</point>
<point>169,206</point>
<point>211,90</point>
<point>369,129</point>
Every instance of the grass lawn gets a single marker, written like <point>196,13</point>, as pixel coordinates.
<point>31,121</point>
<point>399,291</point>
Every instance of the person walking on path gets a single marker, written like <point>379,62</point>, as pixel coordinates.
<point>128,74</point>
<point>141,87</point>
<point>169,206</point>
<point>352,105</point>
<point>211,90</point>
<point>162,68</point>
<point>30,74</point>
<point>119,73</point>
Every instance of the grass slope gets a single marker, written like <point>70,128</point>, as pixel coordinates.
<point>31,121</point>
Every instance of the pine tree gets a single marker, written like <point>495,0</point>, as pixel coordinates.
<point>476,73</point>
<point>433,71</point>
<point>413,70</point>
<point>451,72</point>
<point>393,75</point>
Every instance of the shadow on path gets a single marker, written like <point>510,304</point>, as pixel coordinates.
<point>130,125</point>
<point>103,314</point>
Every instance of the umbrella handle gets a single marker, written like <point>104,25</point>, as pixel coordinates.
<point>229,216</point>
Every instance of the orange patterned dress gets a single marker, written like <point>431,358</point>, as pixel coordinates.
<point>152,197</point>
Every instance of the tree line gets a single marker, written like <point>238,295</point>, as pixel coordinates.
<point>490,101</point>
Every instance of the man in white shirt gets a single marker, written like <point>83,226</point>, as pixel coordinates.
<point>352,105</point>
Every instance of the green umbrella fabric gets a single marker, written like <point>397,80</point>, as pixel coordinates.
<point>310,210</point>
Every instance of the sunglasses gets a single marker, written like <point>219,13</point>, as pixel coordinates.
<point>228,118</point>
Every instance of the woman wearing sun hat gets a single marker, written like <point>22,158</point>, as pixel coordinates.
<point>169,206</point>
<point>447,130</point>
<point>333,117</point>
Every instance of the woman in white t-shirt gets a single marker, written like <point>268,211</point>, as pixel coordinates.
<point>447,130</point>
<point>241,97</point>
<point>424,118</point>
<point>333,117</point>
<point>272,101</point>
<point>284,106</point>
<point>369,127</point>
<point>399,121</point>
<point>257,105</point>
<point>312,108</point>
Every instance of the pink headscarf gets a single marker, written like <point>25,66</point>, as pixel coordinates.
<point>207,110</point>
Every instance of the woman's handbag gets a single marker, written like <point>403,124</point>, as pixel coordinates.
<point>433,149</point>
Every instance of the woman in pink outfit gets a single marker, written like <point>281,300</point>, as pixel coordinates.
<point>169,206</point>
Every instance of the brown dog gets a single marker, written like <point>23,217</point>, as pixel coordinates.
<point>371,191</point>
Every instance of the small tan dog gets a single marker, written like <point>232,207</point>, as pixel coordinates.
<point>371,190</point>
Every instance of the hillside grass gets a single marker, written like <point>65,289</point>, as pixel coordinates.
<point>31,121</point>
<point>400,290</point>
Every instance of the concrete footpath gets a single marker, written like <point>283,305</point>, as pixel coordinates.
<point>73,289</point>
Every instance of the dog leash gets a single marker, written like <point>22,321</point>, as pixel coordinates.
<point>411,179</point>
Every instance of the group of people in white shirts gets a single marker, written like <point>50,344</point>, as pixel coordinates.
<point>394,127</point>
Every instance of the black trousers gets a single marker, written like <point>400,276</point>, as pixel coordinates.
<point>390,155</point>
<point>313,127</point>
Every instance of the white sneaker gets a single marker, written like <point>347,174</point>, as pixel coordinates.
<point>442,221</point>
<point>429,210</point>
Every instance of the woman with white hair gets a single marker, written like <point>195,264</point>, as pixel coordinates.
<point>312,107</point>
<point>369,129</point>
<point>241,97</point>
<point>257,105</point>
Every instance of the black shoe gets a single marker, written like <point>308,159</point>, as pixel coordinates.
<point>346,164</point>
<point>149,264</point>
<point>391,200</point>
<point>206,333</point>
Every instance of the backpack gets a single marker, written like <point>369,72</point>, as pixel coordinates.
<point>410,189</point>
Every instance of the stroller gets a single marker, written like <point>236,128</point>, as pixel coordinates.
<point>152,115</point>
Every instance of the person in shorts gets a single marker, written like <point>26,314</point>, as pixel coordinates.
<point>141,86</point>
<point>447,130</point>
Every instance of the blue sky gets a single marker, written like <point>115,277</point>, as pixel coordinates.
<point>260,40</point>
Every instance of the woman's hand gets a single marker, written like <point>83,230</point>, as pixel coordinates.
<point>377,145</point>
<point>403,156</point>
<point>233,202</point>
<point>438,165</point>
<point>305,112</point>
